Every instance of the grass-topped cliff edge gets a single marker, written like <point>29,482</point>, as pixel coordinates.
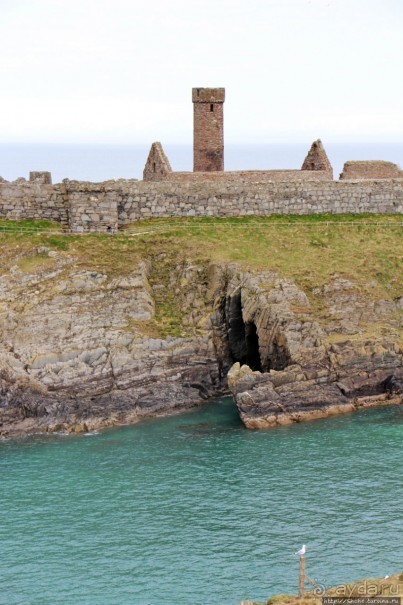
<point>101,329</point>
<point>366,250</point>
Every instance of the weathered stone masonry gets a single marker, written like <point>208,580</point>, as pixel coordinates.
<point>208,191</point>
<point>105,207</point>
<point>208,129</point>
<point>34,200</point>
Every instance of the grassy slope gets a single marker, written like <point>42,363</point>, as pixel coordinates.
<point>309,249</point>
<point>391,586</point>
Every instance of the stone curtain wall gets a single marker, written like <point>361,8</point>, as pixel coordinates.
<point>93,207</point>
<point>220,199</point>
<point>36,200</point>
<point>103,207</point>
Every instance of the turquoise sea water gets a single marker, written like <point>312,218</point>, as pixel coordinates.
<point>196,510</point>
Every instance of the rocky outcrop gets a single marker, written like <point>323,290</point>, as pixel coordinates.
<point>75,353</point>
<point>302,370</point>
<point>82,348</point>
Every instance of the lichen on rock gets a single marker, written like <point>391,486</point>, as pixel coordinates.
<point>82,347</point>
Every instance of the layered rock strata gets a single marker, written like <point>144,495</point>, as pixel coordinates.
<point>75,354</point>
<point>81,349</point>
<point>304,370</point>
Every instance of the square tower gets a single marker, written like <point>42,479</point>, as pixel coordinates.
<point>208,129</point>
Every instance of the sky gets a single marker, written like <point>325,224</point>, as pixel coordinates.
<point>121,71</point>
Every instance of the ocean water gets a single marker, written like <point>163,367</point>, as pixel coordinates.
<point>196,510</point>
<point>103,162</point>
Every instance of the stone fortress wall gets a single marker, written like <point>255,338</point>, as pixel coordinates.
<point>105,207</point>
<point>374,187</point>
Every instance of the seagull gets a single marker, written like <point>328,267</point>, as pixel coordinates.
<point>301,551</point>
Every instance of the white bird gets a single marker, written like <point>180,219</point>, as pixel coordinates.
<point>301,551</point>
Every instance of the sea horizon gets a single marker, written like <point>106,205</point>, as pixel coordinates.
<point>100,162</point>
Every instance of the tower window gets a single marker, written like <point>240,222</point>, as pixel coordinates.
<point>154,167</point>
<point>211,107</point>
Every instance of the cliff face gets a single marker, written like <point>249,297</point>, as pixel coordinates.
<point>311,363</point>
<point>82,349</point>
<point>78,349</point>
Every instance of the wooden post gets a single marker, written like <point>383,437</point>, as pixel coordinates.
<point>301,576</point>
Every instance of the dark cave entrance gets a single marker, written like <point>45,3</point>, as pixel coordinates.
<point>252,347</point>
<point>243,338</point>
<point>244,345</point>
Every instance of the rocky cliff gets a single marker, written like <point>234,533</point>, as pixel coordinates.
<point>296,364</point>
<point>84,345</point>
<point>78,349</point>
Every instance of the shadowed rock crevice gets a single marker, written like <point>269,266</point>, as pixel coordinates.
<point>278,357</point>
<point>243,339</point>
<point>304,376</point>
<point>252,347</point>
<point>64,366</point>
<point>260,351</point>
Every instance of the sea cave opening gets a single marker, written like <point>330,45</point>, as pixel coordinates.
<point>243,339</point>
<point>244,344</point>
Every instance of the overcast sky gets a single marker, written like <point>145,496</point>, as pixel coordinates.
<point>121,71</point>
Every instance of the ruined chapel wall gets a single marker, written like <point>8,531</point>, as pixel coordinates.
<point>249,176</point>
<point>354,170</point>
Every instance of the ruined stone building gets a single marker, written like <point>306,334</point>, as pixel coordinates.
<point>208,154</point>
<point>375,187</point>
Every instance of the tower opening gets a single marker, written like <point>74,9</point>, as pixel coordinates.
<point>211,107</point>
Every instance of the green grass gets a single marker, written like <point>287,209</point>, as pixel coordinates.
<point>28,226</point>
<point>307,249</point>
<point>365,249</point>
<point>371,587</point>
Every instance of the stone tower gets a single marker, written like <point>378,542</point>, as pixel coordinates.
<point>208,129</point>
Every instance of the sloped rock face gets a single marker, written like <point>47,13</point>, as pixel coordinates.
<point>78,350</point>
<point>74,356</point>
<point>297,373</point>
